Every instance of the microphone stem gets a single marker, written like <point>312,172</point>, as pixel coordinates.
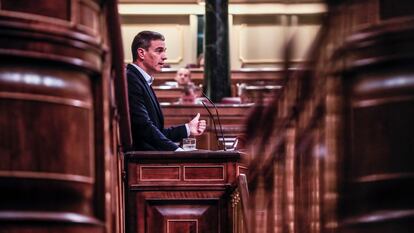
<point>218,118</point>
<point>221,129</point>
<point>212,119</point>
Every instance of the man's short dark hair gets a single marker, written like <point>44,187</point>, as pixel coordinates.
<point>143,40</point>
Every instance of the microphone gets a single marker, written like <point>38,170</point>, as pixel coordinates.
<point>218,119</point>
<point>212,119</point>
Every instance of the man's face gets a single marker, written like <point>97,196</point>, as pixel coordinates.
<point>153,57</point>
<point>182,77</point>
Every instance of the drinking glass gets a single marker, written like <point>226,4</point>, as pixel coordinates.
<point>189,144</point>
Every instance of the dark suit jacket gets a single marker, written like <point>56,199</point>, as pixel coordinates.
<point>147,120</point>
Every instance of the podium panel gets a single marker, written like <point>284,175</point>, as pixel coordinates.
<point>171,192</point>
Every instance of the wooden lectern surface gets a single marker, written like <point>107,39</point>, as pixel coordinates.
<point>142,156</point>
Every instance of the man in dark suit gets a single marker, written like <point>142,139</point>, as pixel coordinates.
<point>147,120</point>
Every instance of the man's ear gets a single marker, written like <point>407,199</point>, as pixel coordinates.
<point>141,53</point>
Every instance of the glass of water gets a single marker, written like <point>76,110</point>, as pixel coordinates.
<point>189,144</point>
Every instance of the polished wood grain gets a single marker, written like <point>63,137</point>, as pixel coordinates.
<point>58,172</point>
<point>168,94</point>
<point>379,115</point>
<point>199,201</point>
<point>159,173</point>
<point>204,172</point>
<point>232,118</point>
<point>338,157</point>
<point>248,76</point>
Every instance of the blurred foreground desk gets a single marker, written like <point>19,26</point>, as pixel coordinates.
<point>172,192</point>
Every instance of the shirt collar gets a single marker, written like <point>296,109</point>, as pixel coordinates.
<point>147,77</point>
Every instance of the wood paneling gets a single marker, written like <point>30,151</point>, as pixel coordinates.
<point>206,172</point>
<point>339,155</point>
<point>159,173</point>
<point>177,30</point>
<point>168,94</point>
<point>390,9</point>
<point>243,76</point>
<point>59,9</point>
<point>232,118</point>
<point>182,225</point>
<point>258,29</point>
<point>198,202</point>
<point>57,169</point>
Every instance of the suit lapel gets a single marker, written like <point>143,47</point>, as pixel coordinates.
<point>150,93</point>
<point>156,103</point>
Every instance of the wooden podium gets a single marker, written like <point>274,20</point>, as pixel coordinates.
<point>172,192</point>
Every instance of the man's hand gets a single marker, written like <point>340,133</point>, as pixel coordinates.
<point>197,126</point>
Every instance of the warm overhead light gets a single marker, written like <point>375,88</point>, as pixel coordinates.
<point>201,2</point>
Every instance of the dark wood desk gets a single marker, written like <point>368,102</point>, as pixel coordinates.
<point>168,94</point>
<point>173,192</point>
<point>249,76</point>
<point>232,118</point>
